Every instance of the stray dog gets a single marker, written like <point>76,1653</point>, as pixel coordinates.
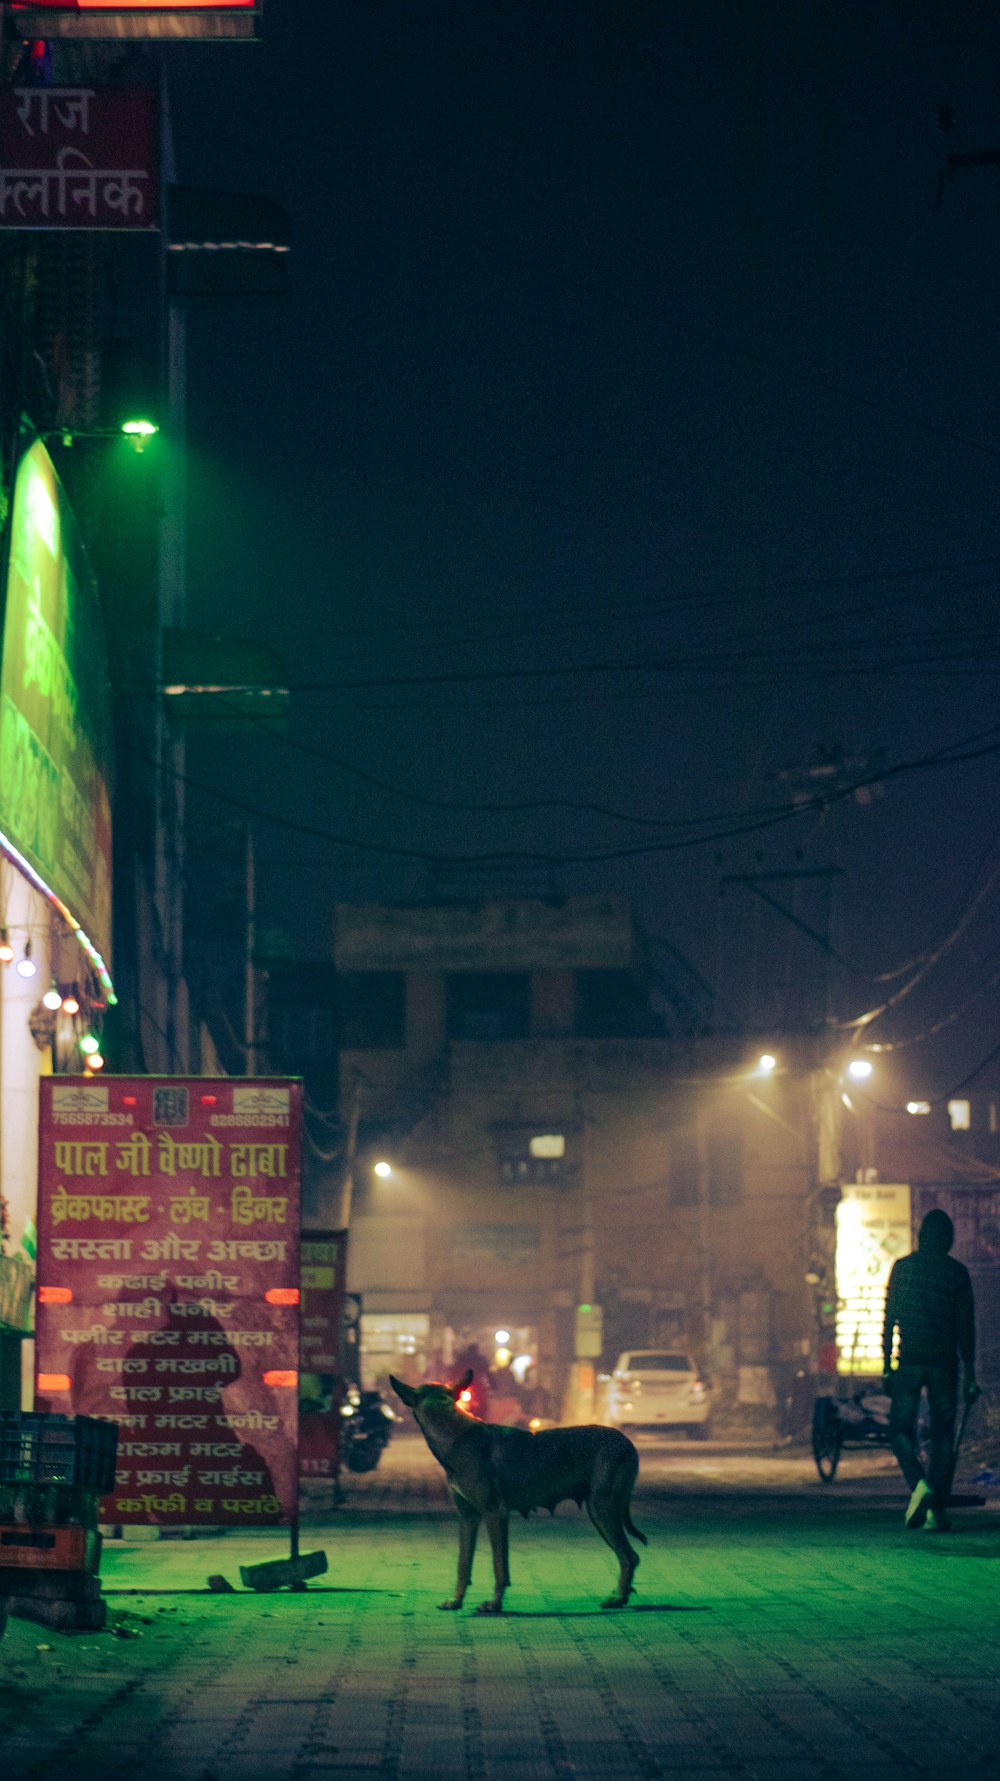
<point>493,1470</point>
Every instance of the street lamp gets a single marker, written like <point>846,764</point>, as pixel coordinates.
<point>138,431</point>
<point>383,1170</point>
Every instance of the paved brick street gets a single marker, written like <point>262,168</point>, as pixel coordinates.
<point>783,1629</point>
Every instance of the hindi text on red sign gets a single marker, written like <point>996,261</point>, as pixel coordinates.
<point>79,158</point>
<point>168,1269</point>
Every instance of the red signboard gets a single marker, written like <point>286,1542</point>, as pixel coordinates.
<point>79,158</point>
<point>324,1278</point>
<point>168,1277</point>
<point>321,1382</point>
<point>138,19</point>
<point>138,5</point>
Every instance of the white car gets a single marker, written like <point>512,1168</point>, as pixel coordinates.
<point>659,1388</point>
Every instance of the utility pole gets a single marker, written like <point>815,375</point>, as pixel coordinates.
<point>755,882</point>
<point>250,972</point>
<point>586,1212</point>
<point>350,1153</point>
<point>587,1319</point>
<point>704,1232</point>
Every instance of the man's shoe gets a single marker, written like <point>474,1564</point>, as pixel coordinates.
<point>937,1522</point>
<point>918,1505</point>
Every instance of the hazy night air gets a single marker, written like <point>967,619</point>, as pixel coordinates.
<point>618,482</point>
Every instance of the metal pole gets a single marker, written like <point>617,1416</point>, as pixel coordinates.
<point>704,1231</point>
<point>347,1179</point>
<point>250,975</point>
<point>586,1210</point>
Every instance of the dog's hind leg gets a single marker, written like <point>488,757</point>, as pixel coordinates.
<point>606,1507</point>
<point>498,1528</point>
<point>468,1527</point>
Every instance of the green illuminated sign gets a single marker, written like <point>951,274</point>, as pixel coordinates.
<point>55,705</point>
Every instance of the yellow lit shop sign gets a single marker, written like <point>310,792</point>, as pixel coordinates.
<point>55,713</point>
<point>873,1230</point>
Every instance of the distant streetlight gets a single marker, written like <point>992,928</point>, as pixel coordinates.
<point>859,1069</point>
<point>766,1063</point>
<point>383,1170</point>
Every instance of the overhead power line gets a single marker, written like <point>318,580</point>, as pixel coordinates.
<point>862,1021</point>
<point>975,655</point>
<point>948,756</point>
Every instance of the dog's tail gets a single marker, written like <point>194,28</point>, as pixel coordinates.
<point>630,1528</point>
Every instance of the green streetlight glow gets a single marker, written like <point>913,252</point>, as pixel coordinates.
<point>139,429</point>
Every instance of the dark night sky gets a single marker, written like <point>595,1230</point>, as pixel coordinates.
<point>620,332</point>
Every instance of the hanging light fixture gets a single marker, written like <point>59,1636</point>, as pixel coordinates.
<point>52,997</point>
<point>6,949</point>
<point>93,1061</point>
<point>89,1045</point>
<point>71,1000</point>
<point>26,966</point>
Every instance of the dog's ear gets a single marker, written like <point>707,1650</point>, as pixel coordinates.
<point>406,1392</point>
<point>460,1384</point>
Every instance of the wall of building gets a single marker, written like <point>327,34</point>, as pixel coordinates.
<point>513,935</point>
<point>26,914</point>
<point>637,1216</point>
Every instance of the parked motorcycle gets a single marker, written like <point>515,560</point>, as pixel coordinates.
<point>366,1429</point>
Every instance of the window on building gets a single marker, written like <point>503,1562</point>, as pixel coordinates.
<point>302,1037</point>
<point>532,1158</point>
<point>960,1114</point>
<point>489,1005</point>
<point>371,1007</point>
<point>724,1161</point>
<point>683,1169</point>
<point>301,1023</point>
<point>613,1005</point>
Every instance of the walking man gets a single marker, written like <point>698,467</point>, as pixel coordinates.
<point>929,1301</point>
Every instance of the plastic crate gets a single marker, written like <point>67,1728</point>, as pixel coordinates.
<point>38,1448</point>
<point>50,1548</point>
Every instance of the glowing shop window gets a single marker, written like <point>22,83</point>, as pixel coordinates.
<point>547,1144</point>
<point>873,1230</point>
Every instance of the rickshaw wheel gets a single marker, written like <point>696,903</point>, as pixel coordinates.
<point>826,1443</point>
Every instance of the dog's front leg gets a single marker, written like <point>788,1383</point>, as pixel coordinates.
<point>497,1526</point>
<point>468,1528</point>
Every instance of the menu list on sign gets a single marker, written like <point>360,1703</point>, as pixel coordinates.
<point>168,1269</point>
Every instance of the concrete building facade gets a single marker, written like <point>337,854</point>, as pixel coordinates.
<point>552,1143</point>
